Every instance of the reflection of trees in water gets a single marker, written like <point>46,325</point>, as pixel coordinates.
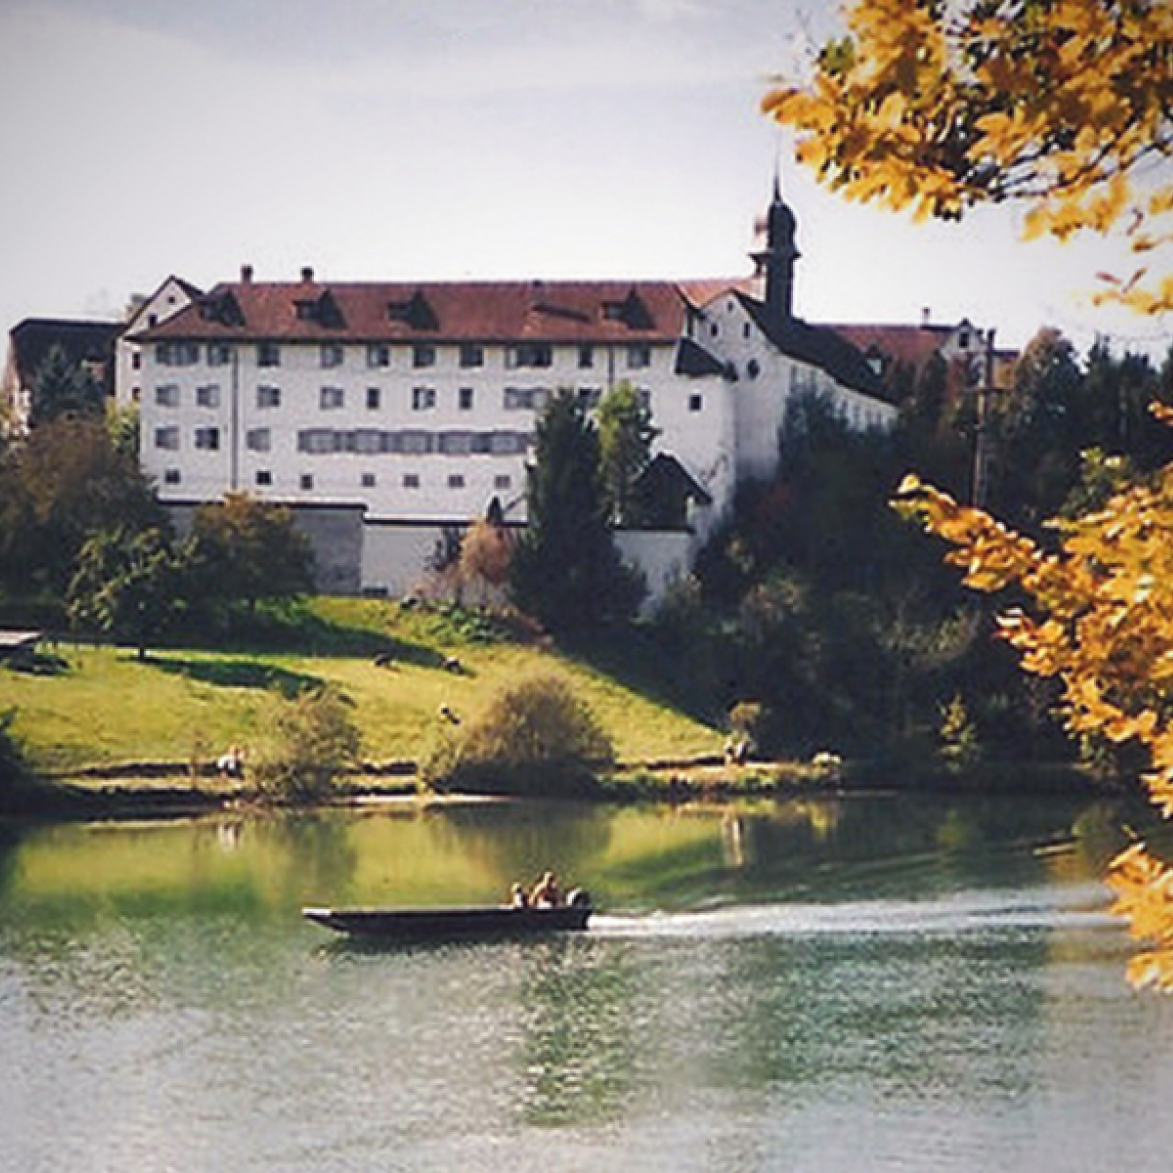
<point>305,853</point>
<point>578,1058</point>
<point>10,839</point>
<point>518,841</point>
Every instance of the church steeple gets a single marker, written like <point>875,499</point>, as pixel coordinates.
<point>775,262</point>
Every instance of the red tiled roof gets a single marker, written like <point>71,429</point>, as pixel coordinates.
<point>912,345</point>
<point>476,311</point>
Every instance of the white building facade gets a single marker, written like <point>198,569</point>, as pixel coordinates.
<point>408,409</point>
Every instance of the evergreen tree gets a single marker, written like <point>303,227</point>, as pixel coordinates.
<point>565,570</point>
<point>63,388</point>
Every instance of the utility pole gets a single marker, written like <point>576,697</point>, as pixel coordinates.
<point>981,449</point>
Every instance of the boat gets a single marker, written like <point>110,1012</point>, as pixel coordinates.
<point>455,923</point>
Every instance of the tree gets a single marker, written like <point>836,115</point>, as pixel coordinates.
<point>61,484</point>
<point>63,388</point>
<point>248,550</point>
<point>565,571</point>
<point>130,585</point>
<point>311,739</point>
<point>1058,103</point>
<point>485,551</point>
<point>625,446</point>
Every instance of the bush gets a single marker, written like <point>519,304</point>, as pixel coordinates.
<point>534,737</point>
<point>313,738</point>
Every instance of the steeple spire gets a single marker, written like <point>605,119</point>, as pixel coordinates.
<point>776,260</point>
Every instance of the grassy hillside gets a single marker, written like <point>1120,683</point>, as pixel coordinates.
<point>103,707</point>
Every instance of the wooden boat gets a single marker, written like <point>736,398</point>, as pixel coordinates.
<point>448,923</point>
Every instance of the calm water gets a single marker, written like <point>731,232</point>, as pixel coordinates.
<point>876,984</point>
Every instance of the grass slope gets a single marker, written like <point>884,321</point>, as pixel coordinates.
<point>104,707</point>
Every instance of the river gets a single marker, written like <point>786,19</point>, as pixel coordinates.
<point>879,983</point>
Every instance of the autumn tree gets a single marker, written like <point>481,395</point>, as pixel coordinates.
<point>485,551</point>
<point>1061,104</point>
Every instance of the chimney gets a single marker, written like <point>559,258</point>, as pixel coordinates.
<point>307,274</point>
<point>925,315</point>
<point>246,274</point>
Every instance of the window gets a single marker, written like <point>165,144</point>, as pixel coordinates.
<point>318,440</point>
<point>530,354</point>
<point>307,481</point>
<point>502,481</point>
<point>207,439</point>
<point>423,398</point>
<point>374,398</point>
<point>506,443</point>
<point>177,354</point>
<point>263,477</point>
<point>464,398</point>
<point>639,356</point>
<point>330,354</point>
<point>219,354</point>
<point>369,441</point>
<point>416,443</point>
<point>167,438</point>
<point>268,354</point>
<point>331,398</point>
<point>378,355</point>
<point>411,480</point>
<point>753,368</point>
<point>368,480</point>
<point>589,397</point>
<point>171,476</point>
<point>695,403</point>
<point>167,395</point>
<point>455,443</point>
<point>523,398</point>
<point>136,361</point>
<point>208,396</point>
<point>456,481</point>
<point>423,356</point>
<point>586,357</point>
<point>258,440</point>
<point>268,397</point>
<point>472,355</point>
<point>963,340</point>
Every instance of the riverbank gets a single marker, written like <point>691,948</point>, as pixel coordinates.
<point>161,789</point>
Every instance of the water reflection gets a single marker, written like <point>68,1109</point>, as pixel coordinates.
<point>767,986</point>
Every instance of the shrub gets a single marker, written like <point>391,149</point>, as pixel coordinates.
<point>312,739</point>
<point>534,737</point>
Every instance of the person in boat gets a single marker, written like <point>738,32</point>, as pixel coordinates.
<point>518,897</point>
<point>546,893</point>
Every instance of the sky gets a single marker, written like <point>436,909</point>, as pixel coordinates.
<point>448,139</point>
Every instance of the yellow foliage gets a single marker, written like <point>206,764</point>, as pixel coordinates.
<point>933,109</point>
<point>1061,104</point>
<point>1099,619</point>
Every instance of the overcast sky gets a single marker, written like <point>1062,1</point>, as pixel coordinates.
<point>434,139</point>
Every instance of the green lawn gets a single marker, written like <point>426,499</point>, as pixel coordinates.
<point>105,707</point>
